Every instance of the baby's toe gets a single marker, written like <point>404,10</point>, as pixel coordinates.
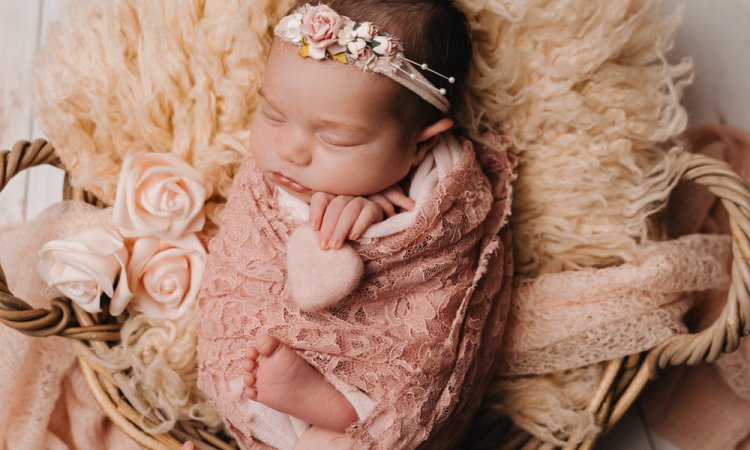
<point>267,345</point>
<point>250,380</point>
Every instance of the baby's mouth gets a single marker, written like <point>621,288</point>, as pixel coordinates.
<point>289,183</point>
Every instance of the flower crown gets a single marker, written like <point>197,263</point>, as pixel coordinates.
<point>322,33</point>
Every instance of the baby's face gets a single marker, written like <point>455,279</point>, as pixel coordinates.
<point>324,126</point>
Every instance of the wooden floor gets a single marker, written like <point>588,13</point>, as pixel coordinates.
<point>715,33</point>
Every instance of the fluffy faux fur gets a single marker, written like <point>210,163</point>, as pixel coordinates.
<point>582,87</point>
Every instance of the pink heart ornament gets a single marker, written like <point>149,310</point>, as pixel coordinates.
<point>318,279</point>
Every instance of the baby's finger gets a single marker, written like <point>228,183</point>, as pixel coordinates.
<point>369,215</point>
<point>346,221</point>
<point>318,203</point>
<point>330,219</point>
<point>397,197</point>
<point>384,204</point>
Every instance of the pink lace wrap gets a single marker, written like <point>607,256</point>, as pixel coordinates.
<point>418,335</point>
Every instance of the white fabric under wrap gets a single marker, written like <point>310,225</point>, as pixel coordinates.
<point>280,430</point>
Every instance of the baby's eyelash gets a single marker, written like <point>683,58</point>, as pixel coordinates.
<point>271,117</point>
<point>338,144</point>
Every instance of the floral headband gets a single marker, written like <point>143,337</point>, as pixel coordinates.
<point>322,33</point>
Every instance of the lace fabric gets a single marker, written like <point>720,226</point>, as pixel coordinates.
<point>575,318</point>
<point>418,335</point>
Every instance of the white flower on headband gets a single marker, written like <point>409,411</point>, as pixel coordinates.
<point>366,30</point>
<point>383,46</point>
<point>290,27</point>
<point>347,35</point>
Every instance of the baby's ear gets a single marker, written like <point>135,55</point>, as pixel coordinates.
<point>427,138</point>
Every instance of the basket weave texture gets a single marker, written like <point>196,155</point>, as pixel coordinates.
<point>621,382</point>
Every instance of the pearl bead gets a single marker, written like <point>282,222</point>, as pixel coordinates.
<point>451,80</point>
<point>443,91</point>
<point>413,76</point>
<point>424,66</point>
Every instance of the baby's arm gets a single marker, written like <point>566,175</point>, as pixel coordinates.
<point>342,217</point>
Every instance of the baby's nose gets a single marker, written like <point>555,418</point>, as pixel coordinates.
<point>295,150</point>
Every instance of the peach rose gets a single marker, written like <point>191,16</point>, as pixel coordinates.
<point>385,46</point>
<point>84,265</point>
<point>366,30</point>
<point>362,53</point>
<point>159,194</point>
<point>321,26</point>
<point>165,274</point>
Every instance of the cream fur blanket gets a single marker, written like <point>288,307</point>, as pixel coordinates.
<point>581,86</point>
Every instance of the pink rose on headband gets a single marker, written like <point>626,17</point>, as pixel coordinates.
<point>362,53</point>
<point>164,275</point>
<point>321,26</point>
<point>85,265</point>
<point>385,46</point>
<point>159,194</point>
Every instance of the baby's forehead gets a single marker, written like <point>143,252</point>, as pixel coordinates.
<point>327,83</point>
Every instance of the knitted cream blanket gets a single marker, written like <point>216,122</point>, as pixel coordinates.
<point>417,335</point>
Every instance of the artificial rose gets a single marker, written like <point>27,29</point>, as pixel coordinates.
<point>385,46</point>
<point>362,53</point>
<point>347,34</point>
<point>164,275</point>
<point>366,30</point>
<point>84,265</point>
<point>290,27</point>
<point>320,27</point>
<point>159,194</point>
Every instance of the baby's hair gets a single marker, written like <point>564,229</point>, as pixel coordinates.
<point>433,32</point>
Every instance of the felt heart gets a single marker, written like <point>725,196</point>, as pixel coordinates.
<point>319,278</point>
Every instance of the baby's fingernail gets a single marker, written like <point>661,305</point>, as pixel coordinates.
<point>335,244</point>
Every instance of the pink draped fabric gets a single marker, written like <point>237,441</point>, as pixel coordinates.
<point>418,335</point>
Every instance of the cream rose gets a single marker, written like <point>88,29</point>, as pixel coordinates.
<point>385,46</point>
<point>84,265</point>
<point>164,275</point>
<point>290,27</point>
<point>366,30</point>
<point>347,34</point>
<point>158,194</point>
<point>320,27</point>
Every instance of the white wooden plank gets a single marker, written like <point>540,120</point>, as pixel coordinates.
<point>716,34</point>
<point>18,31</point>
<point>45,183</point>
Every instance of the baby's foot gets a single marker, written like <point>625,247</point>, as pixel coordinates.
<point>281,379</point>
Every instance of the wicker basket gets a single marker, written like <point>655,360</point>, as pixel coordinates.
<point>621,382</point>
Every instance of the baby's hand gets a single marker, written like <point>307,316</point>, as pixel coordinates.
<point>390,198</point>
<point>342,217</point>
